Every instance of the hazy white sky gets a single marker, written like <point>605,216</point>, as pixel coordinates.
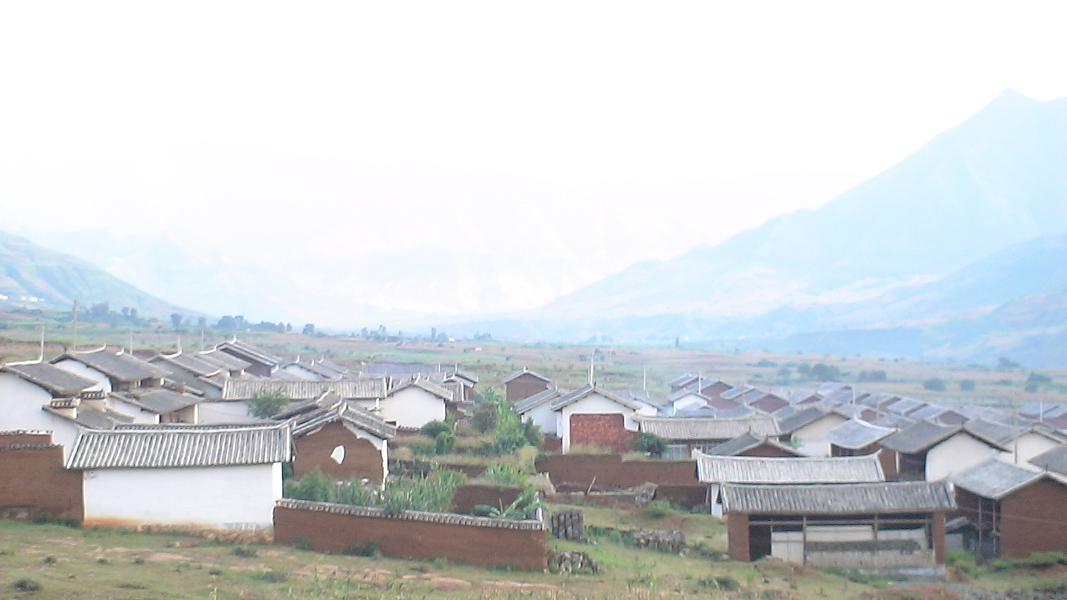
<point>589,134</point>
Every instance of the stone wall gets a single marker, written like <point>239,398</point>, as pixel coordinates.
<point>414,535</point>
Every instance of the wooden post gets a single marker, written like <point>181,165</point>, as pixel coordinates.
<point>803,540</point>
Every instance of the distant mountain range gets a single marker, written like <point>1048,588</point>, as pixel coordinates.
<point>35,277</point>
<point>953,252</point>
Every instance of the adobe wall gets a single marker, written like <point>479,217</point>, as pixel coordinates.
<point>769,451</point>
<point>414,535</point>
<point>1032,520</point>
<point>361,458</point>
<point>689,496</point>
<point>471,495</point>
<point>524,386</point>
<point>33,482</point>
<point>607,471</point>
<point>21,437</point>
<point>601,430</point>
<point>737,537</point>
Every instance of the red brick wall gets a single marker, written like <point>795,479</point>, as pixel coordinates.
<point>1032,520</point>
<point>492,546</point>
<point>524,386</point>
<point>362,459</point>
<point>471,495</point>
<point>737,537</point>
<point>603,431</point>
<point>610,471</point>
<point>32,477</point>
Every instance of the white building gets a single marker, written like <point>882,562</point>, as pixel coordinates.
<point>593,400</point>
<point>233,406</point>
<point>809,430</point>
<point>931,452</point>
<point>413,403</point>
<point>538,408</point>
<point>115,371</point>
<point>1020,443</point>
<point>223,477</point>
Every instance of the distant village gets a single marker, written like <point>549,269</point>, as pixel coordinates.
<point>215,439</point>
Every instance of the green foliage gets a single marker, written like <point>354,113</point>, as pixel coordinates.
<point>435,428</point>
<point>423,447</point>
<point>444,442</point>
<point>315,486</point>
<point>355,494</point>
<point>265,405</point>
<point>934,384</point>
<point>650,444</point>
<point>432,493</point>
<point>1037,560</point>
<point>723,583</point>
<point>962,560</point>
<point>505,474</point>
<point>243,552</point>
<point>370,549</point>
<point>523,508</point>
<point>26,584</point>
<point>658,509</point>
<point>272,576</point>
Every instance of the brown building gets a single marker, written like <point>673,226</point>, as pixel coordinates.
<point>1013,511</point>
<point>344,442</point>
<point>261,362</point>
<point>865,525</point>
<point>523,384</point>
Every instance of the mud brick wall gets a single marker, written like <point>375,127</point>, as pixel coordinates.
<point>361,459</point>
<point>1032,520</point>
<point>471,495</point>
<point>21,437</point>
<point>611,472</point>
<point>414,535</point>
<point>688,496</point>
<point>602,431</point>
<point>524,386</point>
<point>33,482</point>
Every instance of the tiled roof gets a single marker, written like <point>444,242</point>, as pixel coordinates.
<point>150,447</point>
<point>863,498</point>
<point>801,419</point>
<point>413,515</point>
<point>587,390</point>
<point>311,422</point>
<point>996,479</point>
<point>781,471</point>
<point>190,362</point>
<point>158,401</point>
<point>525,371</point>
<point>427,385</point>
<point>119,366</point>
<point>50,377</point>
<point>250,352</point>
<point>1054,460</point>
<point>919,437</point>
<point>854,434</point>
<point>89,417</point>
<point>702,428</point>
<point>246,389</point>
<point>224,360</point>
<point>743,443</point>
<point>531,402</point>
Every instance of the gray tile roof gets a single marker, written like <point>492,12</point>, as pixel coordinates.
<point>248,352</point>
<point>904,406</point>
<point>587,390</point>
<point>854,434</point>
<point>996,433</point>
<point>919,437</point>
<point>1054,460</point>
<point>863,498</point>
<point>801,418</point>
<point>224,360</point>
<point>159,401</point>
<point>121,367</point>
<point>525,371</point>
<point>926,412</point>
<point>245,389</point>
<point>50,377</point>
<point>702,428</point>
<point>190,362</point>
<point>782,471</point>
<point>996,479</point>
<point>344,412</point>
<point>531,402</point>
<point>91,418</point>
<point>743,443</point>
<point>150,447</point>
<point>424,384</point>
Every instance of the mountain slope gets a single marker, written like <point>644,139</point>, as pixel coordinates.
<point>31,275</point>
<point>995,180</point>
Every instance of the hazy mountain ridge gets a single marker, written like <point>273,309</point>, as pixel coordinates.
<point>36,277</point>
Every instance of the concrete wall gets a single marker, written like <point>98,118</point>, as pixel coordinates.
<point>362,455</point>
<point>1032,520</point>
<point>955,455</point>
<point>210,413</point>
<point>524,386</point>
<point>420,536</point>
<point>34,482</point>
<point>238,497</point>
<point>609,471</point>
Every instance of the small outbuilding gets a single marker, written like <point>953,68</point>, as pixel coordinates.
<point>343,441</point>
<point>864,525</point>
<point>523,384</point>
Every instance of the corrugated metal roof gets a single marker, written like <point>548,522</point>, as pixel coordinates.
<point>50,377</point>
<point>119,366</point>
<point>703,428</point>
<point>996,479</point>
<point>150,447</point>
<point>854,434</point>
<point>246,389</point>
<point>781,471</point>
<point>864,498</point>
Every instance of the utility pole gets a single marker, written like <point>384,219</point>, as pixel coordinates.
<point>40,358</point>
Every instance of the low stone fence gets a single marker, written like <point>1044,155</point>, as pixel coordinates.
<point>412,534</point>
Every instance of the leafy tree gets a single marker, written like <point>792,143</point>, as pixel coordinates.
<point>484,417</point>
<point>533,434</point>
<point>433,428</point>
<point>176,321</point>
<point>877,375</point>
<point>309,329</point>
<point>823,372</point>
<point>650,444</point>
<point>314,486</point>
<point>934,384</point>
<point>265,405</point>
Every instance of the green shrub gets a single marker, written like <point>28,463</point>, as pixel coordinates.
<point>26,584</point>
<point>302,544</point>
<point>444,442</point>
<point>370,549</point>
<point>484,417</point>
<point>435,428</point>
<point>356,494</point>
<point>265,405</point>
<point>505,474</point>
<point>243,552</point>
<point>423,447</point>
<point>272,576</point>
<point>315,486</point>
<point>658,509</point>
<point>650,444</point>
<point>962,560</point>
